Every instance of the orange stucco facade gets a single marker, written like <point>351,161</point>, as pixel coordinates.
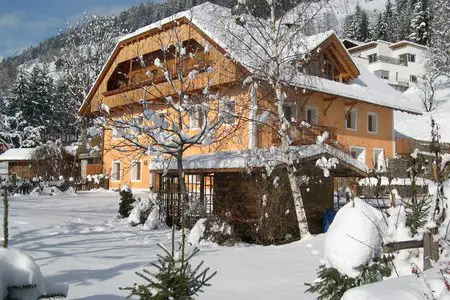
<point>331,111</point>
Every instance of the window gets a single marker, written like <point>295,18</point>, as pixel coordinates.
<point>382,74</point>
<point>228,109</point>
<point>351,121</point>
<point>312,116</point>
<point>372,122</point>
<point>379,161</point>
<point>411,57</point>
<point>372,58</point>
<point>412,78</point>
<point>358,153</point>
<point>196,118</point>
<point>116,171</point>
<point>290,111</point>
<point>136,171</point>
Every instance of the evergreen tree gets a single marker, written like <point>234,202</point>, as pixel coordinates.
<point>421,23</point>
<point>380,32</point>
<point>403,11</point>
<point>350,29</point>
<point>126,202</point>
<point>175,278</point>
<point>363,32</point>
<point>438,61</point>
<point>389,19</point>
<point>356,26</point>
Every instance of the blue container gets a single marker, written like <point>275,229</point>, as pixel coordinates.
<point>328,217</point>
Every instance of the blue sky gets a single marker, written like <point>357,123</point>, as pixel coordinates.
<point>27,22</point>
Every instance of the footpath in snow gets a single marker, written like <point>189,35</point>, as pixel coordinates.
<point>78,240</point>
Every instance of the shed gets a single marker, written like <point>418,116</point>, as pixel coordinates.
<point>18,160</point>
<point>228,184</point>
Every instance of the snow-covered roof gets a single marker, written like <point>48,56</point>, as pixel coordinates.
<point>366,88</point>
<point>239,42</point>
<point>258,158</point>
<point>17,154</point>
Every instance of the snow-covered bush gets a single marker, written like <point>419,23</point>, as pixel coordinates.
<point>147,211</point>
<point>21,278</point>
<point>352,248</point>
<point>212,229</point>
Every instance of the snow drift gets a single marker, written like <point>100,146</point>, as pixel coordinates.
<point>21,278</point>
<point>353,238</point>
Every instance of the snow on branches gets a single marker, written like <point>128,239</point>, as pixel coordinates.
<point>16,132</point>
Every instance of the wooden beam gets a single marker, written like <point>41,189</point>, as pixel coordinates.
<point>328,106</point>
<point>331,98</point>
<point>349,111</point>
<point>396,246</point>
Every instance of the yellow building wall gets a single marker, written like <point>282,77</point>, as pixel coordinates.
<point>226,74</point>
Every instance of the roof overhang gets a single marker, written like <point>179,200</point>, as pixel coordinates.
<point>257,159</point>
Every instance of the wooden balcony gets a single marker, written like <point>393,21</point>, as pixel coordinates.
<point>302,135</point>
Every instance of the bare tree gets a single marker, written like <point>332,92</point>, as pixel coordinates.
<point>427,83</point>
<point>273,46</point>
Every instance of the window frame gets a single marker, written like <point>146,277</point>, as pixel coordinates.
<point>134,164</point>
<point>192,120</point>
<point>411,57</point>
<point>232,115</point>
<point>113,179</point>
<point>372,55</point>
<point>356,119</point>
<point>362,149</point>
<point>307,108</point>
<point>372,114</point>
<point>375,159</point>
<point>411,77</point>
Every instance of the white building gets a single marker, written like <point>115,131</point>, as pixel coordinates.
<point>400,64</point>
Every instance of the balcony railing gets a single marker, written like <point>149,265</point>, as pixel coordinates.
<point>389,60</point>
<point>307,135</point>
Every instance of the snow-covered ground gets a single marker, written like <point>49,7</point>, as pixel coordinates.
<point>76,239</point>
<point>419,127</point>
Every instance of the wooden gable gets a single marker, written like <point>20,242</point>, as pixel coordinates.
<point>130,74</point>
<point>330,60</point>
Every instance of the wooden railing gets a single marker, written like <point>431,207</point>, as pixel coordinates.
<point>302,135</point>
<point>154,75</point>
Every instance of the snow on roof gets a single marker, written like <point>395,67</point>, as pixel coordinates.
<point>257,158</point>
<point>17,154</point>
<point>367,88</point>
<point>400,43</point>
<point>239,42</point>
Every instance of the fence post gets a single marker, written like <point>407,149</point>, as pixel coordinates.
<point>430,248</point>
<point>5,217</point>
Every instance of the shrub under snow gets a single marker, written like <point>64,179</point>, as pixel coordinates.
<point>147,212</point>
<point>21,278</point>
<point>353,238</point>
<point>211,229</point>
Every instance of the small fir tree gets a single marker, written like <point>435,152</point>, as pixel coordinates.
<point>175,278</point>
<point>331,284</point>
<point>417,209</point>
<point>126,202</point>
